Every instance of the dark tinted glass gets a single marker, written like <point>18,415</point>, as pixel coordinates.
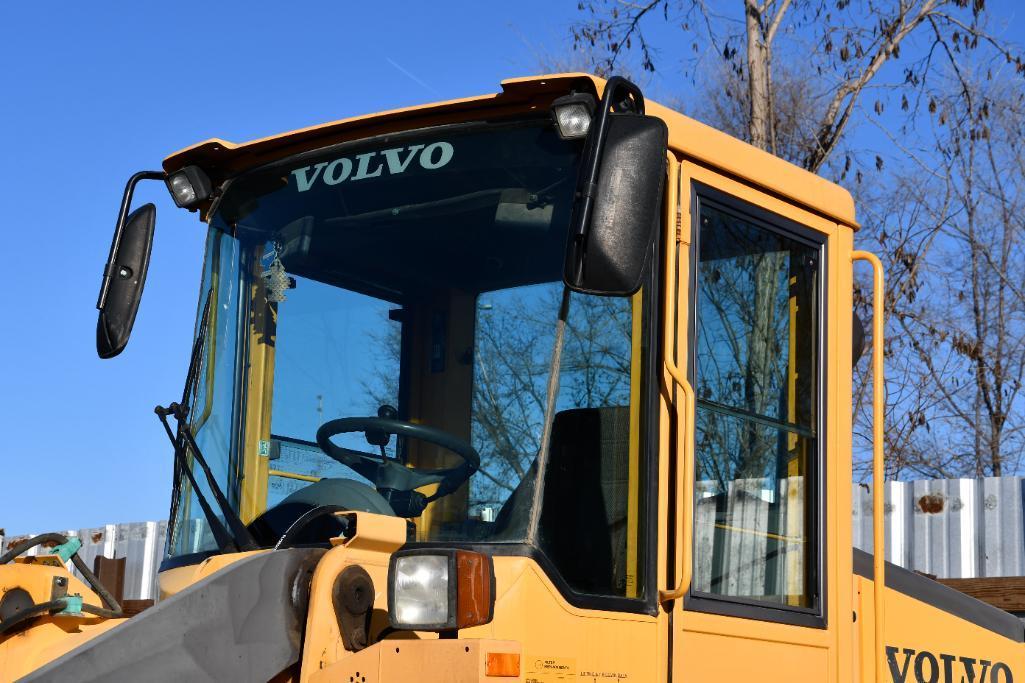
<point>756,320</point>
<point>757,390</point>
<point>592,518</point>
<point>423,271</point>
<point>477,208</point>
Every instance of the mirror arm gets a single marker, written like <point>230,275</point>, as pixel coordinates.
<point>126,203</point>
<point>588,179</point>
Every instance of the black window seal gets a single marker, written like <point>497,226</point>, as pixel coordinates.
<point>816,616</point>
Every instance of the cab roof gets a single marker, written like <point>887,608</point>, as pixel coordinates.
<point>688,138</point>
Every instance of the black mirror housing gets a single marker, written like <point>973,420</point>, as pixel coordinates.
<point>857,338</point>
<point>127,279</point>
<point>618,209</point>
<point>611,258</point>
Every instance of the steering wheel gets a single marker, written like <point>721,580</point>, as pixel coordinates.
<point>393,480</point>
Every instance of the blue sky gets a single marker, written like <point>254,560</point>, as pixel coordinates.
<point>95,91</point>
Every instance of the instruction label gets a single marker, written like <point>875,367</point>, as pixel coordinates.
<point>550,669</point>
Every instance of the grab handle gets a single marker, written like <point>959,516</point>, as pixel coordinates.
<point>684,481</point>
<point>878,473</point>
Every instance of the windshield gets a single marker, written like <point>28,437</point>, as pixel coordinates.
<point>416,277</point>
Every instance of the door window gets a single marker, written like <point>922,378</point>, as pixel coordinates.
<point>756,385</point>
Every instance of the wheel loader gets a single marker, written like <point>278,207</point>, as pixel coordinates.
<point>548,385</point>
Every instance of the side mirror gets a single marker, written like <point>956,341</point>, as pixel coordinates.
<point>618,211</point>
<point>127,276</point>
<point>857,339</point>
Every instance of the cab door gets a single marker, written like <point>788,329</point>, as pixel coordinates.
<point>752,337</point>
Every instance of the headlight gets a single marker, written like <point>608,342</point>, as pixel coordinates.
<point>439,589</point>
<point>422,590</point>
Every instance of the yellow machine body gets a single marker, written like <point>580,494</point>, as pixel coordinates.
<point>50,636</point>
<point>536,635</point>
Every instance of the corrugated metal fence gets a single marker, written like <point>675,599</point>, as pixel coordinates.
<point>953,528</point>
<point>141,543</point>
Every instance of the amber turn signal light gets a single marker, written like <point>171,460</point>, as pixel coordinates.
<point>475,594</point>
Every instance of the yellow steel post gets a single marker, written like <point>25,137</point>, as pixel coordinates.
<point>878,535</point>
<point>259,394</point>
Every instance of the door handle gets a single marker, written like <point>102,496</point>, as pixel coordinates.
<point>684,480</point>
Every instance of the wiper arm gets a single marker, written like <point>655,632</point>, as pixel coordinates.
<point>239,537</point>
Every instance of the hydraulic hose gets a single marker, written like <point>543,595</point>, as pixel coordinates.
<point>108,599</point>
<point>113,608</point>
<point>48,608</point>
<point>31,613</point>
<point>304,520</point>
<point>27,545</point>
<point>100,612</point>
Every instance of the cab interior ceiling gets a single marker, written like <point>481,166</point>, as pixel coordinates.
<point>400,259</point>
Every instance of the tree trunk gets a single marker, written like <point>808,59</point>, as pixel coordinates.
<point>759,97</point>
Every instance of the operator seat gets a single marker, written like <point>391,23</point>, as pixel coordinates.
<point>583,521</point>
<point>353,495</point>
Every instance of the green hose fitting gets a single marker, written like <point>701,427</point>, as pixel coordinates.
<point>72,606</point>
<point>66,550</point>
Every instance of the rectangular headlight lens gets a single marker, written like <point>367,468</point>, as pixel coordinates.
<point>181,189</point>
<point>189,187</point>
<point>421,590</point>
<point>574,120</point>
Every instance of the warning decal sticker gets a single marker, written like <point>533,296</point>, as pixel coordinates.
<point>550,669</point>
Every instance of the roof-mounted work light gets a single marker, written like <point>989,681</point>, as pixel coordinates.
<point>189,186</point>
<point>572,114</point>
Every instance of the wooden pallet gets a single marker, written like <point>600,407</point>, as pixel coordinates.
<point>1005,592</point>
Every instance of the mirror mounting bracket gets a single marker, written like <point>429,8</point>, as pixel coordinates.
<point>126,203</point>
<point>620,94</point>
<point>618,195</point>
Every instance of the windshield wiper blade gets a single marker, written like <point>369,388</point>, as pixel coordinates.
<point>191,377</point>
<point>239,537</point>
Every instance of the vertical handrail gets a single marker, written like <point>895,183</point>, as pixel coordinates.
<point>684,482</point>
<point>878,491</point>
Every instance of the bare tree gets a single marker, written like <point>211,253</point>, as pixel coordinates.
<point>845,45</point>
<point>792,77</point>
<point>905,246</point>
<point>962,326</point>
<point>514,339</point>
